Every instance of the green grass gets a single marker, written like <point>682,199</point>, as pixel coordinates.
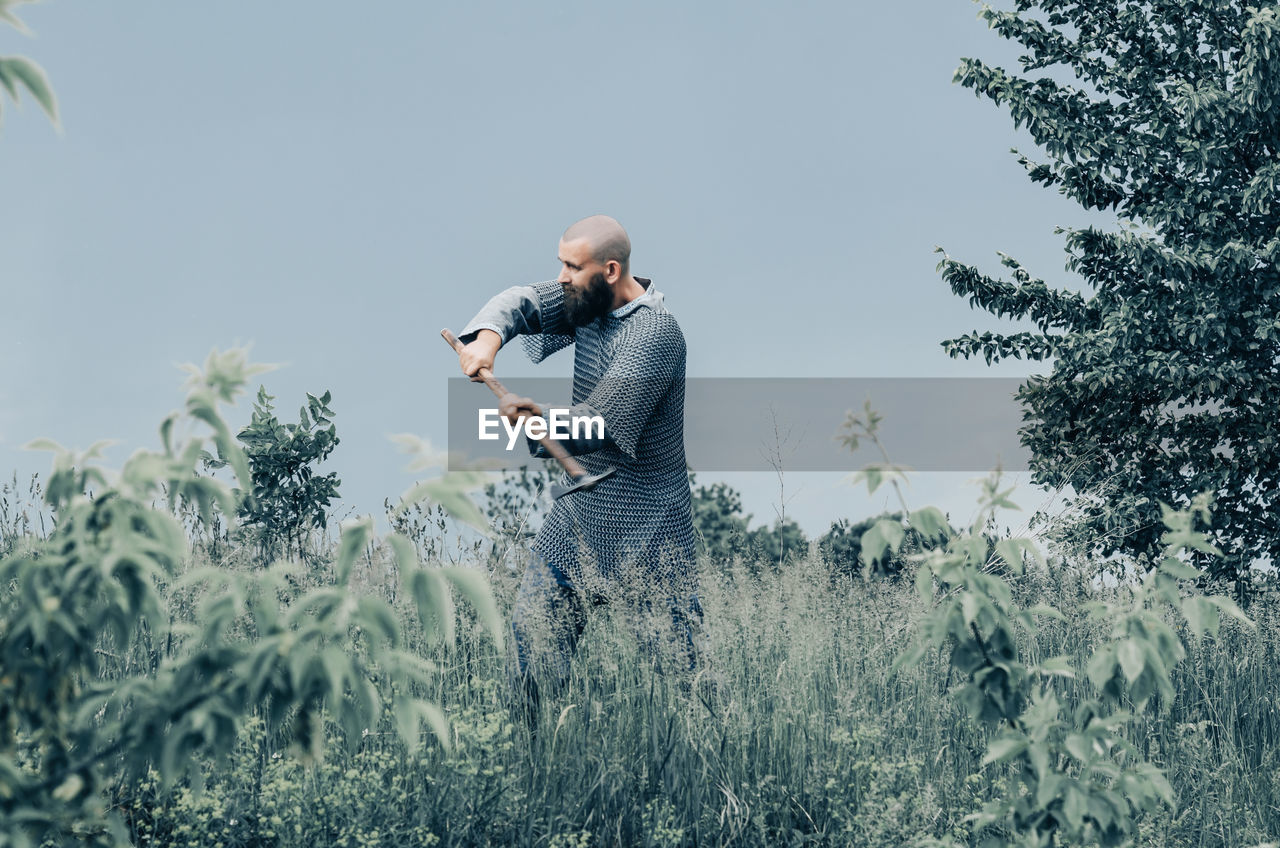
<point>795,733</point>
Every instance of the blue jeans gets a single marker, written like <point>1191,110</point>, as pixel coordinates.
<point>549,617</point>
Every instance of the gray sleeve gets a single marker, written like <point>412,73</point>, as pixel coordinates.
<point>535,312</point>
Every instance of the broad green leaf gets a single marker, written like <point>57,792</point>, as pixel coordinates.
<point>1038,753</point>
<point>1004,748</point>
<point>44,445</point>
<point>874,544</point>
<point>1079,746</point>
<point>337,669</point>
<point>474,586</point>
<point>1201,616</point>
<point>924,583</point>
<point>1101,665</point>
<point>450,492</point>
<point>971,604</point>
<point>378,619</point>
<point>1178,569</point>
<point>909,658</point>
<point>439,725</point>
<point>1010,550</point>
<point>405,553</point>
<point>930,523</point>
<point>1046,611</point>
<point>1057,667</point>
<point>1132,659</point>
<point>1229,607</point>
<point>411,712</point>
<point>1074,806</point>
<point>434,603</point>
<point>69,788</point>
<point>355,535</point>
<point>21,69</point>
<point>891,531</point>
<point>1158,782</point>
<point>1049,788</point>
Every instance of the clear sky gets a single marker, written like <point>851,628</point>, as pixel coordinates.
<point>336,182</point>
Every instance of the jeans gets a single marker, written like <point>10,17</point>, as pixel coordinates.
<point>549,617</point>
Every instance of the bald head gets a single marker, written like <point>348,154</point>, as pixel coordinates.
<point>605,238</point>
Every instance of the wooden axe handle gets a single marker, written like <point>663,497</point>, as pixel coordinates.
<point>557,451</point>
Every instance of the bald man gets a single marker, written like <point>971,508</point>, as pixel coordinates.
<point>631,535</point>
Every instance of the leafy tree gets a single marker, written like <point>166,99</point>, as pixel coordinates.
<point>71,714</point>
<point>841,546</point>
<point>778,542</point>
<point>20,71</point>
<point>1164,380</point>
<point>289,497</point>
<point>718,522</point>
<point>722,529</point>
<point>1081,778</point>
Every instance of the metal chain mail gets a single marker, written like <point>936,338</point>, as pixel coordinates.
<point>634,530</point>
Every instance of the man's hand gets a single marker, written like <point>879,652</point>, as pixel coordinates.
<point>479,354</point>
<point>514,408</point>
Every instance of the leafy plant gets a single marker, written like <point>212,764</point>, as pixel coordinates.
<point>723,534</point>
<point>1164,373</point>
<point>20,71</point>
<point>1080,778</point>
<point>841,545</point>
<point>70,714</point>
<point>288,497</point>
<point>718,522</point>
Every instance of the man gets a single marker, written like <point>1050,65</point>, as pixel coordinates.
<point>632,534</point>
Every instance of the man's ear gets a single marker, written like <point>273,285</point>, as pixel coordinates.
<point>612,271</point>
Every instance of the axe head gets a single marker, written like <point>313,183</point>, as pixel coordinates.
<point>580,484</point>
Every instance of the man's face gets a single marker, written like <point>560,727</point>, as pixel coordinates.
<point>587,293</point>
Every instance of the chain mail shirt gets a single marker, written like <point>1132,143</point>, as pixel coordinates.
<point>629,368</point>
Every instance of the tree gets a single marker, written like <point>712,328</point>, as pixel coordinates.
<point>779,542</point>
<point>289,497</point>
<point>74,706</point>
<point>1164,380</point>
<point>19,70</point>
<point>722,529</point>
<point>841,546</point>
<point>718,521</point>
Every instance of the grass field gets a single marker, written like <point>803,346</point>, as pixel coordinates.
<point>794,733</point>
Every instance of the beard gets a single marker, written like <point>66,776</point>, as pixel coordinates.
<point>584,306</point>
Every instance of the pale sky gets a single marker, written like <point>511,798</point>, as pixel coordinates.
<point>335,183</point>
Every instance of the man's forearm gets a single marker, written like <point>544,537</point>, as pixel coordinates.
<point>506,315</point>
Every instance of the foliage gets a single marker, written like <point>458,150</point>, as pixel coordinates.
<point>808,723</point>
<point>73,604</point>
<point>1081,778</point>
<point>22,513</point>
<point>723,534</point>
<point>1165,373</point>
<point>807,739</point>
<point>288,496</point>
<point>842,544</point>
<point>516,505</point>
<point>718,522</point>
<point>778,543</point>
<point>20,71</point>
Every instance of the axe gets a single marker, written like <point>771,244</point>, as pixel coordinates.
<point>582,481</point>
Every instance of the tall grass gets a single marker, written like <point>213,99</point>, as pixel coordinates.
<point>792,732</point>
